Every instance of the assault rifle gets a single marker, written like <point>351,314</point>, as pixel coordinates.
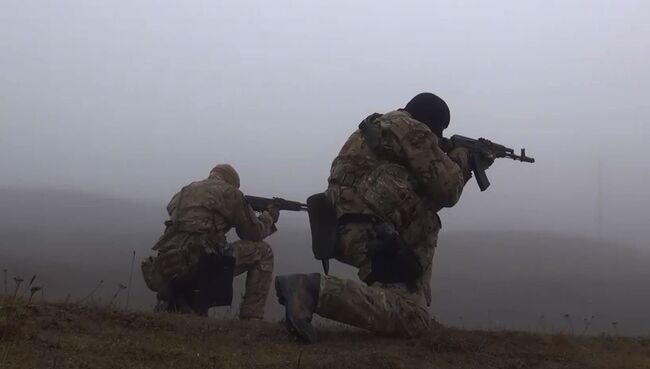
<point>482,145</point>
<point>262,203</point>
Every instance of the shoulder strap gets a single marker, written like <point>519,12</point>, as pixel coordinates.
<point>371,133</point>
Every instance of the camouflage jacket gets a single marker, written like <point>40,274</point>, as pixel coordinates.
<point>209,209</point>
<point>409,170</point>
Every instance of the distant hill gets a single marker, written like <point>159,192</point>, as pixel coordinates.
<point>522,280</point>
<point>65,210</point>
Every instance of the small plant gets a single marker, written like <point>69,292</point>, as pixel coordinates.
<point>615,326</point>
<point>569,322</point>
<point>5,277</point>
<point>29,286</point>
<point>542,322</point>
<point>587,322</point>
<point>17,281</point>
<point>128,292</point>
<point>31,281</point>
<point>101,282</point>
<point>120,288</point>
<point>32,292</point>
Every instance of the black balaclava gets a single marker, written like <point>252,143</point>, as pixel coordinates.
<point>430,110</point>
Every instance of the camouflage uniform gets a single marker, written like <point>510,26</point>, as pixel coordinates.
<point>405,184</point>
<point>256,260</point>
<point>200,216</point>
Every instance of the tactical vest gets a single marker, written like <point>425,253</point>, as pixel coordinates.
<point>387,189</point>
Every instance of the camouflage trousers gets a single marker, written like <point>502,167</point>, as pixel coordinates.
<point>382,309</point>
<point>391,309</point>
<point>256,260</point>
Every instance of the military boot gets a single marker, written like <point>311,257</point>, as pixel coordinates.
<point>299,295</point>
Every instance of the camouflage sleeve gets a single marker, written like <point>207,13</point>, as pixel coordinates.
<point>441,177</point>
<point>247,224</point>
<point>461,156</point>
<point>173,203</point>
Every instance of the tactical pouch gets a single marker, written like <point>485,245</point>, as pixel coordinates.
<point>214,278</point>
<point>388,192</point>
<point>391,260</point>
<point>323,224</point>
<point>151,276</point>
<point>173,262</point>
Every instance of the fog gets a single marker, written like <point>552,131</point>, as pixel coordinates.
<point>133,99</point>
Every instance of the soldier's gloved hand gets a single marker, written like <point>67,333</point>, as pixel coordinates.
<point>486,159</point>
<point>274,212</point>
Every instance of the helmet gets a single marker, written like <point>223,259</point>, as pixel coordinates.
<point>227,173</point>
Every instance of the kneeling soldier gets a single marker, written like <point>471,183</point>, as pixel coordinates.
<point>194,265</point>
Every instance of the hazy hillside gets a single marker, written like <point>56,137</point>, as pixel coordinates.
<point>519,280</point>
<point>529,280</point>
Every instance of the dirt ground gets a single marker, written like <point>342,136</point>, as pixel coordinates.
<point>75,336</point>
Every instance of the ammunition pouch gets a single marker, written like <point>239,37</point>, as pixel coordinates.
<point>323,224</point>
<point>391,260</point>
<point>388,192</point>
<point>177,261</point>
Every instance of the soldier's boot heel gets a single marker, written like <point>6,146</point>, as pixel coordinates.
<point>299,294</point>
<point>281,299</point>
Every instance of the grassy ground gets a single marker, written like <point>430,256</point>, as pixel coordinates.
<point>73,336</point>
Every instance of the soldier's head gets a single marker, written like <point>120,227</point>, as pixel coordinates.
<point>227,173</point>
<point>430,110</point>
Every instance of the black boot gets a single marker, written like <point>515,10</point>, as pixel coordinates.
<point>299,295</point>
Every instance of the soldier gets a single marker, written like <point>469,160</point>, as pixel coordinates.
<point>387,185</point>
<point>194,265</point>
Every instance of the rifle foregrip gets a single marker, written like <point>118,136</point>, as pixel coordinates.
<point>262,203</point>
<point>257,203</point>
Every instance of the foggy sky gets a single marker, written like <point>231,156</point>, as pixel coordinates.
<point>134,99</point>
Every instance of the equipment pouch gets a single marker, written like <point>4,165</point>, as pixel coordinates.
<point>392,261</point>
<point>151,276</point>
<point>323,224</point>
<point>170,231</point>
<point>173,262</point>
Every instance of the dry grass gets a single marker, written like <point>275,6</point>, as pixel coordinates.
<point>75,336</point>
